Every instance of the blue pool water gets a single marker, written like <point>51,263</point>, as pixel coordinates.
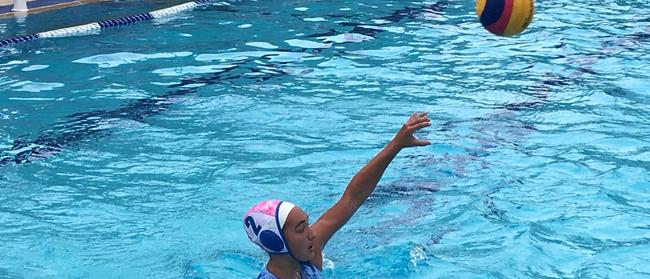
<point>135,152</point>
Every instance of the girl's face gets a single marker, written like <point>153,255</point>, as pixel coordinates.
<point>299,236</point>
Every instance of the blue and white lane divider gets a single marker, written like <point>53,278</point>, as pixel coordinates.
<point>97,26</point>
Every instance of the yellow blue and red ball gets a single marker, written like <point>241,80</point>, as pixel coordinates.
<point>505,17</point>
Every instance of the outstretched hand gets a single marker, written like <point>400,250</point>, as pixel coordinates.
<point>405,138</point>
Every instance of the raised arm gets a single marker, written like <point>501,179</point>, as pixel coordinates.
<point>364,182</point>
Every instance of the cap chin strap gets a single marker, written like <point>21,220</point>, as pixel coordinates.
<point>281,217</point>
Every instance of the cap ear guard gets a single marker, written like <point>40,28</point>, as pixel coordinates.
<point>263,225</point>
<point>272,241</point>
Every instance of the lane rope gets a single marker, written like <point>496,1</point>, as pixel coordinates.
<point>95,27</point>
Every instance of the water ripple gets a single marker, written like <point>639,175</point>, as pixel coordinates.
<point>141,158</point>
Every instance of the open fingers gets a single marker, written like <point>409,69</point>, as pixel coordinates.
<point>419,125</point>
<point>421,142</point>
<point>417,120</point>
<point>417,115</point>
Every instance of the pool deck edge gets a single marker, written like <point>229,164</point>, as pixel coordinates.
<point>40,6</point>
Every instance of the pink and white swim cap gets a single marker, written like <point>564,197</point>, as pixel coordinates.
<point>264,222</point>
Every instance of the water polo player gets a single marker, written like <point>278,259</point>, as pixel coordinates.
<point>282,229</point>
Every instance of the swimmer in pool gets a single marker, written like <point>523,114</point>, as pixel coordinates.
<point>282,229</point>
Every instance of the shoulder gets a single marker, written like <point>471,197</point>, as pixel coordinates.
<point>309,270</point>
<point>265,274</point>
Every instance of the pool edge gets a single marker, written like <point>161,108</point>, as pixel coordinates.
<point>48,8</point>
